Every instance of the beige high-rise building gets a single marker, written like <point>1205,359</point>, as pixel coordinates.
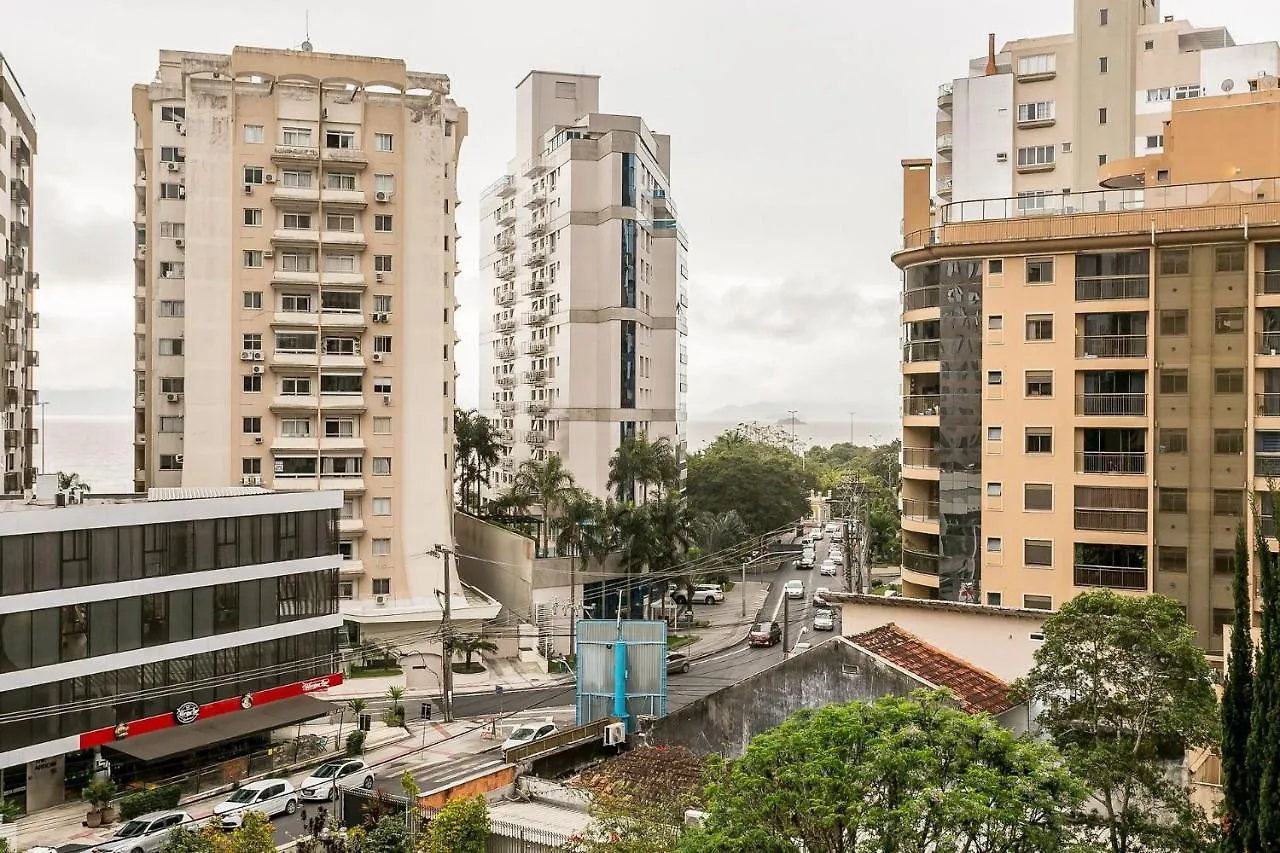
<point>20,281</point>
<point>1091,385</point>
<point>295,264</point>
<point>585,270</point>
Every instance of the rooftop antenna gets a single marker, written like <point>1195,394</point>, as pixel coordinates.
<point>306,44</point>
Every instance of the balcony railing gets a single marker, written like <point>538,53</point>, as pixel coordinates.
<point>534,377</point>
<point>920,404</point>
<point>506,325</point>
<point>1268,524</point>
<point>498,186</point>
<point>1116,405</point>
<point>945,94</point>
<point>506,271</point>
<point>1111,346</point>
<point>507,407</point>
<point>924,297</point>
<point>534,348</point>
<point>1268,281</point>
<point>535,318</point>
<point>1112,577</point>
<point>944,184</point>
<point>1269,343</point>
<point>506,353</point>
<point>1112,287</point>
<point>536,408</point>
<point>919,510</point>
<point>1115,520</point>
<point>919,457</point>
<point>533,167</point>
<point>534,287</point>
<point>533,198</point>
<point>536,437</point>
<point>945,142</point>
<point>1101,462</point>
<point>920,561</point>
<point>506,298</point>
<point>504,243</point>
<point>1268,405</point>
<point>1266,466</point>
<point>916,351</point>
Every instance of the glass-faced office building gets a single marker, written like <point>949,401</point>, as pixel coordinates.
<point>114,614</point>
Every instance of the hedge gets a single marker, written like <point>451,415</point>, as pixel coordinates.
<point>152,800</point>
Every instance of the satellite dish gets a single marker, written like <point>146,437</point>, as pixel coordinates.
<point>1228,85</point>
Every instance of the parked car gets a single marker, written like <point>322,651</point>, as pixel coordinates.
<point>708,593</point>
<point>806,560</point>
<point>798,648</point>
<point>322,784</point>
<point>830,568</point>
<point>837,538</point>
<point>677,662</point>
<point>793,589</point>
<point>269,796</point>
<point>833,527</point>
<point>765,634</point>
<point>824,620</point>
<point>144,834</point>
<point>529,733</point>
<point>820,596</point>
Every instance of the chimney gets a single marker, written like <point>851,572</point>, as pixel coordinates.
<point>991,54</point>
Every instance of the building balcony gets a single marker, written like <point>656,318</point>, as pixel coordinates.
<point>503,436</point>
<point>533,199</point>
<point>295,236</point>
<point>945,142</point>
<point>1038,121</point>
<point>293,278</point>
<point>1112,287</point>
<point>21,152</point>
<point>662,202</point>
<point>19,192</point>
<point>923,297</point>
<point>344,239</point>
<point>919,457</point>
<point>289,154</point>
<point>1111,346</point>
<point>920,511</point>
<point>346,157</point>
<point>1112,520</point>
<point>348,402</point>
<point>507,463</point>
<point>506,380</point>
<point>351,527</point>
<point>535,318</point>
<point>502,187</point>
<point>506,353</point>
<point>533,259</point>
<point>536,378</point>
<point>343,483</point>
<point>506,218</point>
<point>295,402</point>
<point>346,198</point>
<point>294,196</point>
<point>535,229</point>
<point>535,287</point>
<point>1266,465</point>
<point>536,408</point>
<point>914,352</point>
<point>351,568</point>
<point>1268,282</point>
<point>1106,462</point>
<point>507,407</point>
<point>505,325</point>
<point>535,348</point>
<point>506,271</point>
<point>920,561</point>
<point>1267,405</point>
<point>943,185</point>
<point>1112,577</point>
<point>505,298</point>
<point>1269,343</point>
<point>920,405</point>
<point>343,320</point>
<point>1112,405</point>
<point>533,167</point>
<point>946,95</point>
<point>504,243</point>
<point>536,437</point>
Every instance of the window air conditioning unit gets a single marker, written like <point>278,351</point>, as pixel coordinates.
<point>380,600</point>
<point>378,277</point>
<point>382,197</point>
<point>181,128</point>
<point>258,369</point>
<point>246,355</point>
<point>615,734</point>
<point>377,356</point>
<point>251,480</point>
<point>386,399</point>
<point>173,398</point>
<point>177,458</point>
<point>268,255</point>
<point>259,355</point>
<point>180,243</point>
<point>1002,157</point>
<point>257,439</point>
<point>171,166</point>
<point>269,179</point>
<point>248,188</point>
<point>182,191</point>
<point>381,317</point>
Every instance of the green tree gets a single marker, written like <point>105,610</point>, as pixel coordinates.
<point>1124,691</point>
<point>476,451</point>
<point>462,826</point>
<point>904,775</point>
<point>621,824</point>
<point>549,486</point>
<point>71,480</point>
<point>1264,733</point>
<point>395,711</point>
<point>388,835</point>
<point>767,486</point>
<point>253,835</point>
<point>584,532</point>
<point>654,536</point>
<point>469,645</point>
<point>639,464</point>
<point>1239,789</point>
<point>197,839</point>
<point>715,532</point>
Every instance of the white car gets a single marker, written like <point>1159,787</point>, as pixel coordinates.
<point>833,527</point>
<point>708,593</point>
<point>820,596</point>
<point>829,568</point>
<point>824,620</point>
<point>800,647</point>
<point>269,796</point>
<point>144,833</point>
<point>793,589</point>
<point>323,782</point>
<point>528,734</point>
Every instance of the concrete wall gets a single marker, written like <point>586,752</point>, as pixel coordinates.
<point>496,561</point>
<point>45,783</point>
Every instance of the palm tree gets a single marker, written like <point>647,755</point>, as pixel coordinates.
<point>469,645</point>
<point>664,465</point>
<point>358,707</point>
<point>718,532</point>
<point>627,466</point>
<point>548,485</point>
<point>395,713</point>
<point>476,451</point>
<point>584,532</point>
<point>71,480</point>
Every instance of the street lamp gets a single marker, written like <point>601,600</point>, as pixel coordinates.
<point>793,412</point>
<point>44,435</point>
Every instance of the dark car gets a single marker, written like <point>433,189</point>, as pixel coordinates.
<point>677,662</point>
<point>765,634</point>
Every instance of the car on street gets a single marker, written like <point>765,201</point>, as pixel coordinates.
<point>816,536</point>
<point>528,733</point>
<point>806,559</point>
<point>143,834</point>
<point>793,589</point>
<point>765,634</point>
<point>708,593</point>
<point>269,796</point>
<point>800,647</point>
<point>837,538</point>
<point>829,568</point>
<point>833,527</point>
<point>824,620</point>
<point>820,596</point>
<point>805,542</point>
<point>322,784</point>
<point>835,554</point>
<point>677,662</point>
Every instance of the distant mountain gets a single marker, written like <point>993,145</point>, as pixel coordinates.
<point>87,402</point>
<point>779,412</point>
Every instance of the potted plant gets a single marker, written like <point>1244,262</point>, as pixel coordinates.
<point>99,794</point>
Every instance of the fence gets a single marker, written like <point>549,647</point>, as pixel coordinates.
<point>279,756</point>
<point>512,838</point>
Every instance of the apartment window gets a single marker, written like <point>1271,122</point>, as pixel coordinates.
<point>174,230</point>
<point>1039,383</point>
<point>1039,270</point>
<point>173,269</point>
<point>296,179</point>
<point>381,426</point>
<point>995,377</point>
<point>251,465</point>
<point>1102,115</point>
<point>170,424</point>
<point>1037,552</point>
<point>1042,63</point>
<point>995,266</point>
<point>251,341</point>
<point>993,599</point>
<point>995,322</point>
<point>170,462</point>
<point>1102,65</point>
<point>171,346</point>
<point>299,221</point>
<point>1039,327</point>
<point>1102,17</point>
<point>1228,380</point>
<point>1037,155</point>
<point>295,428</point>
<point>1228,321</point>
<point>251,384</point>
<point>382,304</point>
<point>1173,500</point>
<point>339,427</point>
<point>385,184</point>
<point>253,174</point>
<point>340,181</point>
<point>251,426</point>
<point>1155,96</point>
<point>171,154</point>
<point>299,136</point>
<point>339,263</point>
<point>1035,111</point>
<point>994,545</point>
<point>171,308</point>
<point>173,114</point>
<point>382,344</point>
<point>1037,497</point>
<point>1032,200</point>
<point>1173,441</point>
<point>252,259</point>
<point>382,263</point>
<point>253,216</point>
<point>1175,261</point>
<point>382,223</point>
<point>1149,45</point>
<point>1173,380</point>
<point>1066,149</point>
<point>340,302</point>
<point>382,506</point>
<point>1155,141</point>
<point>382,466</point>
<point>339,222</point>
<point>172,384</point>
<point>382,586</point>
<point>1173,323</point>
<point>381,548</point>
<point>346,548</point>
<point>341,383</point>
<point>172,191</point>
<point>298,262</point>
<point>995,433</point>
<point>1037,602</point>
<point>1172,558</point>
<point>341,346</point>
<point>299,303</point>
<point>1102,159</point>
<point>1227,502</point>
<point>296,342</point>
<point>339,139</point>
<point>253,133</point>
<point>1224,561</point>
<point>1228,442</point>
<point>295,386</point>
<point>1039,439</point>
<point>382,385</point>
<point>995,490</point>
<point>1229,259</point>
<point>382,142</point>
<point>252,299</point>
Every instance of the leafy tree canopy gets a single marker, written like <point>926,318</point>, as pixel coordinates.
<point>460,827</point>
<point>766,485</point>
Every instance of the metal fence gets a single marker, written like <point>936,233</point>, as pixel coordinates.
<point>278,756</point>
<point>512,838</point>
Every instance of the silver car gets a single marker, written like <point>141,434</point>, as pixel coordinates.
<point>144,834</point>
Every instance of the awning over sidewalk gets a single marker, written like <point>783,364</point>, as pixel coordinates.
<point>222,728</point>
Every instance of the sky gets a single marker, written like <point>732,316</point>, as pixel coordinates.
<point>788,124</point>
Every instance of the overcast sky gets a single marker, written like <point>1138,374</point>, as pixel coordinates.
<point>788,122</point>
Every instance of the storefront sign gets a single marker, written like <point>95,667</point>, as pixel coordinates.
<point>246,701</point>
<point>187,712</point>
<point>315,684</point>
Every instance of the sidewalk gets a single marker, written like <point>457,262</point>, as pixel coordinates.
<point>728,627</point>
<point>64,824</point>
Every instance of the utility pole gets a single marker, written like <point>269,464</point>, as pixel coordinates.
<point>786,621</point>
<point>793,413</point>
<point>446,636</point>
<point>745,560</point>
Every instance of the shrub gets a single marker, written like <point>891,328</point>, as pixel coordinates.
<point>152,800</point>
<point>355,742</point>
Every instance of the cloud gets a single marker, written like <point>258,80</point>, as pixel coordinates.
<point>87,244</point>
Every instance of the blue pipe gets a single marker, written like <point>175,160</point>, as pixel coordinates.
<point>620,682</point>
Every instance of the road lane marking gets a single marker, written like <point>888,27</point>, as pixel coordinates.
<point>736,651</point>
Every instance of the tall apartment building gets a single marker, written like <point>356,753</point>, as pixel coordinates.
<point>1091,391</point>
<point>586,271</point>
<point>295,264</point>
<point>20,281</point>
